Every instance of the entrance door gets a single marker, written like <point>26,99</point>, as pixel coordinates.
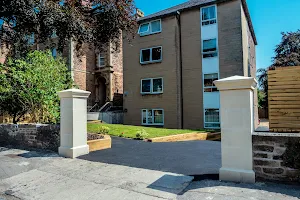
<point>102,91</point>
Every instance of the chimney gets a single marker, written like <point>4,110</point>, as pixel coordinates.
<point>139,13</point>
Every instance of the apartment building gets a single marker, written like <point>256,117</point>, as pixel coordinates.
<point>170,66</point>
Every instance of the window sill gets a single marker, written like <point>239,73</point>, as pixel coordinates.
<point>146,34</point>
<point>156,93</point>
<point>150,62</point>
<point>209,57</point>
<point>209,25</point>
<point>152,124</point>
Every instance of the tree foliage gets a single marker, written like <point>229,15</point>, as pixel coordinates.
<point>30,85</point>
<point>262,103</point>
<point>287,53</point>
<point>83,21</point>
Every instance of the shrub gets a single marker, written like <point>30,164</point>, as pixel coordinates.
<point>103,130</point>
<point>142,134</point>
<point>121,135</point>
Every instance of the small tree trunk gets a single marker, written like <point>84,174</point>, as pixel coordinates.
<point>15,119</point>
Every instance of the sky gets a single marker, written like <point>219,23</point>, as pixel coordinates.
<point>269,18</point>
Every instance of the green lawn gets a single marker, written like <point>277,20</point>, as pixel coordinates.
<point>130,131</point>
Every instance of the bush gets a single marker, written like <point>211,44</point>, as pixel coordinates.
<point>29,86</point>
<point>121,135</point>
<point>103,130</point>
<point>142,134</point>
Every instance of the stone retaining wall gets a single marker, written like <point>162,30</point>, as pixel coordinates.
<point>30,136</point>
<point>268,161</point>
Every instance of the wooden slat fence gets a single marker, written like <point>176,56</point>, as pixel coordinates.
<point>284,99</point>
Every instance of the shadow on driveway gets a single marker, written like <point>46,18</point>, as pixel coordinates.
<point>211,189</point>
<point>188,158</point>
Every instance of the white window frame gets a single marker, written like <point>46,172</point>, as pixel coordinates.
<point>210,87</point>
<point>151,61</point>
<point>210,52</point>
<point>208,20</point>
<point>101,55</point>
<point>151,86</point>
<point>152,110</point>
<point>212,122</point>
<point>149,30</point>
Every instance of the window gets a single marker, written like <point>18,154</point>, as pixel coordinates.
<point>208,84</point>
<point>30,39</point>
<point>54,52</point>
<point>101,60</point>
<point>209,15</point>
<point>151,55</point>
<point>152,86</point>
<point>54,35</point>
<point>212,118</point>
<point>152,117</point>
<point>150,28</point>
<point>209,48</point>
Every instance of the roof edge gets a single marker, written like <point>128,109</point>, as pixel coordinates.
<point>250,24</point>
<point>244,4</point>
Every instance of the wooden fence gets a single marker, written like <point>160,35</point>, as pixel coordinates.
<point>284,99</point>
<point>263,113</point>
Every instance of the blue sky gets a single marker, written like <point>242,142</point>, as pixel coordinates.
<point>269,17</point>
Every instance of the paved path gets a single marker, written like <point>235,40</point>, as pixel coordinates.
<point>189,158</point>
<point>32,175</point>
<point>38,175</point>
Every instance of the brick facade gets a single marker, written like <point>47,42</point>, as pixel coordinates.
<point>134,102</point>
<point>231,62</point>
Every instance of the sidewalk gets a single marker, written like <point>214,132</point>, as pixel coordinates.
<point>33,175</point>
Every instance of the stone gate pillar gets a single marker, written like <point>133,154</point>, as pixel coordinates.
<point>73,123</point>
<point>237,124</point>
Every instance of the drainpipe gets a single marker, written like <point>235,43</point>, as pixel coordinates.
<point>72,59</point>
<point>180,66</point>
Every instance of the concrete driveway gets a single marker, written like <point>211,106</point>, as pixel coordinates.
<point>188,158</point>
<point>31,175</point>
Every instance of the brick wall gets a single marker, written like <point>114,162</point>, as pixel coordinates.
<point>134,101</point>
<point>30,136</point>
<point>192,70</point>
<point>230,39</point>
<point>268,158</point>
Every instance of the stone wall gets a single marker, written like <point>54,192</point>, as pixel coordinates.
<point>268,159</point>
<point>30,136</point>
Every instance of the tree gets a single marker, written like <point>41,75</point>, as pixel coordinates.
<point>29,86</point>
<point>287,54</point>
<point>82,21</point>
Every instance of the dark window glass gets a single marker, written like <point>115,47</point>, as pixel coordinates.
<point>146,86</point>
<point>209,45</point>
<point>156,54</point>
<point>157,85</point>
<point>209,85</point>
<point>146,55</point>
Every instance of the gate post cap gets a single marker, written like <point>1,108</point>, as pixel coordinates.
<point>74,93</point>
<point>236,83</point>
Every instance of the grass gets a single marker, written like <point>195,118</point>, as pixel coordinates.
<point>130,131</point>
